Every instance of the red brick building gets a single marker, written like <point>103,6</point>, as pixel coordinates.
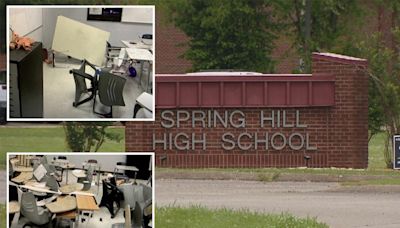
<point>332,102</point>
<point>321,116</point>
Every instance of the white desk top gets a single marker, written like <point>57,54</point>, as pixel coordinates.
<point>37,189</point>
<point>125,167</point>
<point>139,54</point>
<point>79,173</point>
<point>62,204</point>
<point>146,100</point>
<point>137,44</point>
<point>23,177</point>
<point>22,169</point>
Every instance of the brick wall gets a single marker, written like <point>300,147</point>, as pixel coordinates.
<point>339,132</point>
<point>169,47</point>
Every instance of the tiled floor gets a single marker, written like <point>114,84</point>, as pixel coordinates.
<point>59,93</point>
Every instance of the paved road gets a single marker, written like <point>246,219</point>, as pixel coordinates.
<point>329,202</point>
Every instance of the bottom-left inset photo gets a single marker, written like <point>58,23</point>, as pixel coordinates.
<point>80,189</point>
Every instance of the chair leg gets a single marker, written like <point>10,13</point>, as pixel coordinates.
<point>136,109</point>
<point>105,115</point>
<point>76,104</point>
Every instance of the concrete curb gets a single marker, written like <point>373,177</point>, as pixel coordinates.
<point>198,175</point>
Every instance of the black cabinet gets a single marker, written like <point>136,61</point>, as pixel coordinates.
<point>26,82</point>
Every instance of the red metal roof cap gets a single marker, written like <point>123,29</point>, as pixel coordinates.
<point>227,73</point>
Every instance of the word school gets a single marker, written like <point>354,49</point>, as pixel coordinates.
<point>172,139</point>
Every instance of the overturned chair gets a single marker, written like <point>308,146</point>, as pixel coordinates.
<point>111,195</point>
<point>107,86</point>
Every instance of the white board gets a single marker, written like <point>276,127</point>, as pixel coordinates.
<point>137,15</point>
<point>80,41</point>
<point>25,20</point>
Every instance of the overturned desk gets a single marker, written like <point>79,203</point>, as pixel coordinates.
<point>86,203</point>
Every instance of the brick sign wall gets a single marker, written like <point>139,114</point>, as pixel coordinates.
<point>260,121</point>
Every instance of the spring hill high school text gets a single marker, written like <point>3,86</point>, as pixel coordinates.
<point>273,119</point>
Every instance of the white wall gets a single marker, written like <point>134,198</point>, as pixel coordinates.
<point>107,162</point>
<point>26,22</point>
<point>119,30</point>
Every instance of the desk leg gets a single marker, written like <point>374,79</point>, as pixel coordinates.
<point>141,73</point>
<point>148,77</point>
<point>66,178</point>
<point>149,86</point>
<point>87,218</point>
<point>77,218</point>
<point>98,180</point>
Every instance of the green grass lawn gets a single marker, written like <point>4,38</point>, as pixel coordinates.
<point>198,217</point>
<point>2,216</point>
<point>375,152</point>
<point>45,140</point>
<point>53,140</point>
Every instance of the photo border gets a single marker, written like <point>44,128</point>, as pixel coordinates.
<point>12,119</point>
<point>153,166</point>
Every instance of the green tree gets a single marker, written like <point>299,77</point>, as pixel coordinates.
<point>226,34</point>
<point>384,96</point>
<point>88,136</point>
<point>384,71</point>
<point>316,25</point>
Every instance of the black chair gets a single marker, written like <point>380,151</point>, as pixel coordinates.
<point>62,157</point>
<point>107,86</point>
<point>80,77</point>
<point>92,161</point>
<point>111,195</point>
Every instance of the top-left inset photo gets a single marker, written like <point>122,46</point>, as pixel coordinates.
<point>80,63</point>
